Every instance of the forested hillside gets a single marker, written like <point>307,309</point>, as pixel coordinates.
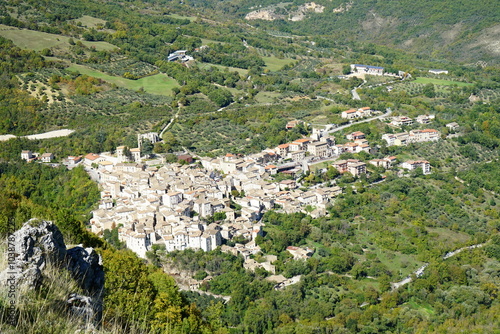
<point>463,30</point>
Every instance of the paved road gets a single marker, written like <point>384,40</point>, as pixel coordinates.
<point>388,113</point>
<point>355,95</point>
<point>420,271</point>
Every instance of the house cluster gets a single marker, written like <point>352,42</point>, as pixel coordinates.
<point>414,136</point>
<point>405,120</point>
<point>169,205</point>
<point>250,174</point>
<point>34,156</point>
<point>353,166</point>
<point>124,158</point>
<point>367,69</point>
<point>292,124</point>
<point>319,146</point>
<point>385,163</point>
<point>357,113</point>
<point>358,144</point>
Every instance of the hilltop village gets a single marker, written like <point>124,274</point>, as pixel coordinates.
<point>212,202</point>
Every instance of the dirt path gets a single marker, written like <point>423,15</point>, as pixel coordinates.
<point>46,135</point>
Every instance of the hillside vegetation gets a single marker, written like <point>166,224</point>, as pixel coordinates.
<point>100,68</point>
<point>463,30</point>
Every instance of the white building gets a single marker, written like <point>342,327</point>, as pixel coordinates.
<point>414,164</point>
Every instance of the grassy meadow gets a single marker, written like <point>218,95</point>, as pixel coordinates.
<point>440,82</point>
<point>275,64</point>
<point>159,84</point>
<point>241,71</point>
<point>36,40</point>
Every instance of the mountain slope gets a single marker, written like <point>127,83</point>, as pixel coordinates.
<point>462,30</point>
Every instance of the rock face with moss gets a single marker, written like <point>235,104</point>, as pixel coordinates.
<point>39,244</point>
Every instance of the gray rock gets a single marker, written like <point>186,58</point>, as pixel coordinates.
<point>40,242</point>
<point>86,267</point>
<point>36,243</point>
<point>85,308</point>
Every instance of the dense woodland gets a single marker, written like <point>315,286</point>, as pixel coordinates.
<point>247,80</point>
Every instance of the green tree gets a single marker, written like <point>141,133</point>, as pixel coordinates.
<point>429,90</point>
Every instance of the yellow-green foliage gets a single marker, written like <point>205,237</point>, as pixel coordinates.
<point>82,85</point>
<point>45,310</point>
<point>140,297</point>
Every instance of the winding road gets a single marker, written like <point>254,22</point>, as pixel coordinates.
<point>170,123</point>
<point>420,271</point>
<point>388,113</point>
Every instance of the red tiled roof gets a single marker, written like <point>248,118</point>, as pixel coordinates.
<point>302,140</point>
<point>92,156</point>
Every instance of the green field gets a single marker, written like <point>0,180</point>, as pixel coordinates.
<point>159,84</point>
<point>275,64</point>
<point>89,21</point>
<point>208,41</point>
<point>241,71</point>
<point>440,82</point>
<point>266,97</point>
<point>36,40</point>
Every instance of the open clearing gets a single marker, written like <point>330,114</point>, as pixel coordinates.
<point>180,17</point>
<point>89,21</point>
<point>275,64</point>
<point>158,84</point>
<point>36,40</point>
<point>440,82</point>
<point>266,97</point>
<point>241,71</point>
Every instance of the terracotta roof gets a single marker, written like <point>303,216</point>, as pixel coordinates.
<point>302,140</point>
<point>92,156</point>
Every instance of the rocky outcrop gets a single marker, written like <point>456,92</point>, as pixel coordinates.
<point>86,267</point>
<point>36,244</point>
<point>270,13</point>
<point>39,243</point>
